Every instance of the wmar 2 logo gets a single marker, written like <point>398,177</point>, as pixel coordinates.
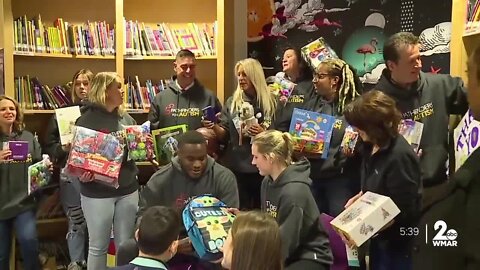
<point>445,237</point>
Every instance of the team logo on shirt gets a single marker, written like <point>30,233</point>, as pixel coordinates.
<point>170,110</point>
<point>421,112</point>
<point>271,209</point>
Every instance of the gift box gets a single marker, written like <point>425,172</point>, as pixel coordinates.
<point>19,150</point>
<point>350,139</point>
<point>317,51</point>
<point>39,174</point>
<point>139,147</point>
<point>165,141</point>
<point>412,132</point>
<point>365,217</point>
<point>311,131</point>
<point>96,152</point>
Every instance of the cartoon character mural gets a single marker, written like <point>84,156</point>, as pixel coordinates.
<point>259,14</point>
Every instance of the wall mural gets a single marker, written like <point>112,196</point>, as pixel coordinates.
<point>355,29</point>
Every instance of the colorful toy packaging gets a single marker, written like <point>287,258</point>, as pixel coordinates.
<point>165,143</point>
<point>317,51</point>
<point>311,131</point>
<point>349,139</point>
<point>39,174</point>
<point>280,86</point>
<point>412,132</point>
<point>139,147</point>
<point>96,152</point>
<point>207,222</point>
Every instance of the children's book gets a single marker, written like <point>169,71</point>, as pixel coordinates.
<point>317,51</point>
<point>349,139</point>
<point>39,174</point>
<point>165,142</point>
<point>311,131</point>
<point>19,150</point>
<point>412,132</point>
<point>66,118</point>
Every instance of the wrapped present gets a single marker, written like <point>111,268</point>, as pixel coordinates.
<point>165,142</point>
<point>317,51</point>
<point>39,174</point>
<point>311,131</point>
<point>365,217</point>
<point>139,147</point>
<point>98,153</point>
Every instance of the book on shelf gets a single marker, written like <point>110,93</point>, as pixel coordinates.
<point>138,97</point>
<point>473,16</point>
<point>31,94</point>
<point>165,39</point>
<point>90,38</point>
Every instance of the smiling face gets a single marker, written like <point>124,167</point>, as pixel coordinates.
<point>193,159</point>
<point>114,94</point>
<point>8,112</point>
<point>408,67</point>
<point>185,69</point>
<point>81,86</point>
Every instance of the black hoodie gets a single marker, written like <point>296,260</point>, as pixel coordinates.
<point>430,101</point>
<point>336,164</point>
<point>170,186</point>
<point>96,117</point>
<point>302,93</point>
<point>14,198</point>
<point>173,106</point>
<point>290,201</point>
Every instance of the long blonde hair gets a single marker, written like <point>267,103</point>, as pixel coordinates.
<point>100,83</point>
<point>265,98</point>
<point>276,145</point>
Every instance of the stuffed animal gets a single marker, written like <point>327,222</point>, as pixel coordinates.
<point>247,115</point>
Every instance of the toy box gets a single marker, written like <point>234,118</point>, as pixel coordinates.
<point>280,86</point>
<point>19,150</point>
<point>349,139</point>
<point>96,152</point>
<point>317,51</point>
<point>39,174</point>
<point>365,217</point>
<point>412,132</point>
<point>139,147</point>
<point>311,131</point>
<point>165,142</point>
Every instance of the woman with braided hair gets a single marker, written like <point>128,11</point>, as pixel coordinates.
<point>336,178</point>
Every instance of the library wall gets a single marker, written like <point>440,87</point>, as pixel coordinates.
<point>356,29</point>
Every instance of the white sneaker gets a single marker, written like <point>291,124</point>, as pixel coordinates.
<point>74,266</point>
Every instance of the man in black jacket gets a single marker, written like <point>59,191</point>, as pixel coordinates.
<point>423,97</point>
<point>184,98</point>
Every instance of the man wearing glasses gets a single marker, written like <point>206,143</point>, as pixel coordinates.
<point>184,98</point>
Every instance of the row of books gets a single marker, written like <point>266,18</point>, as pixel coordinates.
<point>33,95</point>
<point>138,97</point>
<point>473,16</point>
<point>90,38</point>
<point>165,39</point>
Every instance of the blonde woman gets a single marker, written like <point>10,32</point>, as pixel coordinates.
<point>70,186</point>
<point>104,206</point>
<point>237,127</point>
<point>286,196</point>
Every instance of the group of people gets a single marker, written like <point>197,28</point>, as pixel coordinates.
<point>257,167</point>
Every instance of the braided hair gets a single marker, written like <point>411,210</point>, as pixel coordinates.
<point>350,85</point>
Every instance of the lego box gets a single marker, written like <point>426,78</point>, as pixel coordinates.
<point>365,217</point>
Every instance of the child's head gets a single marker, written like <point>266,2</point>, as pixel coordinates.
<point>158,231</point>
<point>81,84</point>
<point>253,243</point>
<point>271,148</point>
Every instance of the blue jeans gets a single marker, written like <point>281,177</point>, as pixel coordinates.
<point>331,195</point>
<point>77,227</point>
<point>101,214</point>
<point>384,257</point>
<point>25,225</point>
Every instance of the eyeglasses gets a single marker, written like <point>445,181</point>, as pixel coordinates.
<point>320,76</point>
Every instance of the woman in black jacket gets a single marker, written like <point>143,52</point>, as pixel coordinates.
<point>69,186</point>
<point>391,168</point>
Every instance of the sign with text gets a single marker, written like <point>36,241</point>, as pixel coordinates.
<point>466,139</point>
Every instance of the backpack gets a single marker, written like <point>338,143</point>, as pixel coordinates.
<point>442,239</point>
<point>207,222</point>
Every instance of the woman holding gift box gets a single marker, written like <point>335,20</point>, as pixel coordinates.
<point>17,209</point>
<point>391,168</point>
<point>248,112</point>
<point>69,186</point>
<point>104,205</point>
<point>286,196</point>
